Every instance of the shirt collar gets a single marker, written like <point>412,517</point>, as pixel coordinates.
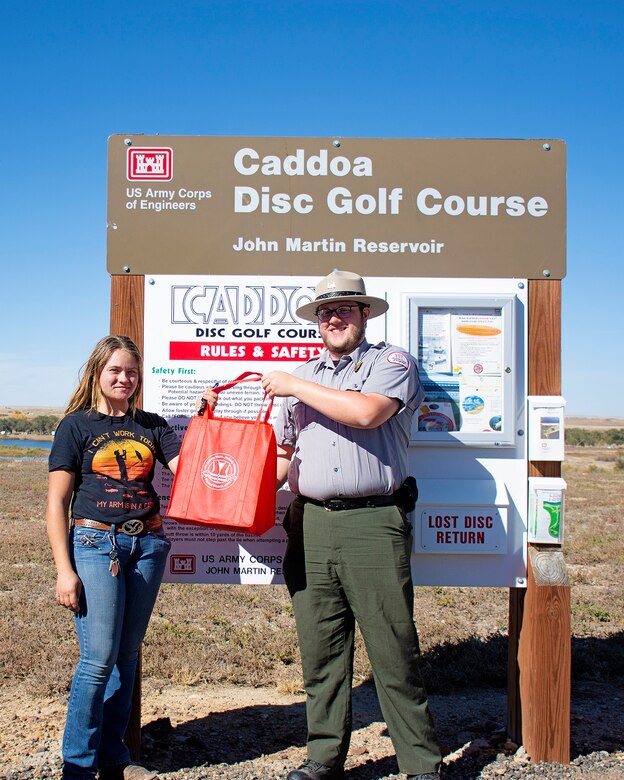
<point>325,360</point>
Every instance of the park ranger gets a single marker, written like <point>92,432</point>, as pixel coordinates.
<point>343,433</point>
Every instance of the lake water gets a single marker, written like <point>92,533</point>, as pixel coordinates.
<point>41,445</point>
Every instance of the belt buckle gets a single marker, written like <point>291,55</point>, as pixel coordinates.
<point>133,527</point>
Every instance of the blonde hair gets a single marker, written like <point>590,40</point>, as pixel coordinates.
<point>88,393</point>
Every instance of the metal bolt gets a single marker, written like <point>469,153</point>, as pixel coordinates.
<point>508,370</point>
<point>521,285</point>
<point>336,143</point>
<point>126,269</point>
<point>520,432</point>
<point>151,281</point>
<point>546,147</point>
<point>128,141</point>
<point>546,273</point>
<point>519,580</point>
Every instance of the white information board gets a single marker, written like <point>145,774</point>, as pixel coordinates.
<point>206,330</point>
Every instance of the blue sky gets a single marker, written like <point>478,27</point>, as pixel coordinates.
<point>73,73</point>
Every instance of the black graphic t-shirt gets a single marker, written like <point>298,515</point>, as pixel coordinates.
<point>113,459</point>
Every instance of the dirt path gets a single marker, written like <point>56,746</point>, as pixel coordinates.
<point>191,733</point>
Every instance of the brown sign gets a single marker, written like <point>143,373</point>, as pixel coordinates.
<point>389,207</point>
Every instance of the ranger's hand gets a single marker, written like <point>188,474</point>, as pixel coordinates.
<point>279,384</point>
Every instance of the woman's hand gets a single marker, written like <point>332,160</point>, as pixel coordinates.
<point>209,396</point>
<point>68,590</point>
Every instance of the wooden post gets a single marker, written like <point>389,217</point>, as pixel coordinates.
<point>127,308</point>
<point>539,618</point>
<point>514,709</point>
<point>126,319</point>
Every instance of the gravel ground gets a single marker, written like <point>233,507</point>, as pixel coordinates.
<point>206,732</point>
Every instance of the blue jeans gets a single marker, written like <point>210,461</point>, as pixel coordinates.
<point>111,624</point>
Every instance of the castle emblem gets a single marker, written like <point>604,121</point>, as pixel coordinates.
<point>150,163</point>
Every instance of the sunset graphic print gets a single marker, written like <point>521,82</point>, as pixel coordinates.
<point>126,460</point>
<point>124,464</point>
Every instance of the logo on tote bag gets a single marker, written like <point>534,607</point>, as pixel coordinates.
<point>220,471</point>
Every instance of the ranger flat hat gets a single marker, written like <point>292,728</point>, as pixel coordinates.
<point>341,286</point>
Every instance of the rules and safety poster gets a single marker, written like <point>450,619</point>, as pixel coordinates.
<point>205,331</point>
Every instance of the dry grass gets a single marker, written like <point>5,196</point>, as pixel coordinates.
<point>591,460</point>
<point>8,451</point>
<point>30,411</point>
<point>245,634</point>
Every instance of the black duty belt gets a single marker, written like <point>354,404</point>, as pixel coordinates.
<point>363,502</point>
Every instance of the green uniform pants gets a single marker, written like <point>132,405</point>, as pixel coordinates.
<point>347,566</point>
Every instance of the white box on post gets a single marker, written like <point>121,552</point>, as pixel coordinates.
<point>546,427</point>
<point>546,515</point>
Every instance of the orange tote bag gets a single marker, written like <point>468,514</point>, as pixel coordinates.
<point>226,475</point>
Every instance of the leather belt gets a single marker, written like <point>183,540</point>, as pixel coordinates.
<point>133,527</point>
<point>363,502</point>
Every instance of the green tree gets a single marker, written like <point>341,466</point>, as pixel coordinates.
<point>615,436</point>
<point>582,437</point>
<point>43,423</point>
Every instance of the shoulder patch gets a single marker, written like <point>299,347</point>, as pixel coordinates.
<point>400,358</point>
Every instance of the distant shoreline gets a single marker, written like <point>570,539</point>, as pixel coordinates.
<point>21,436</point>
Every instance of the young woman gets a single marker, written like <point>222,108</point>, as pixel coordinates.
<point>110,564</point>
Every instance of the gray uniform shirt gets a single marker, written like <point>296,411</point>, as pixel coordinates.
<point>334,460</point>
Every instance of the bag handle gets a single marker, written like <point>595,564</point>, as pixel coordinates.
<point>267,414</point>
<point>247,376</point>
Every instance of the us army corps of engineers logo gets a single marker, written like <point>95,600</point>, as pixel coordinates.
<point>149,163</point>
<point>220,471</point>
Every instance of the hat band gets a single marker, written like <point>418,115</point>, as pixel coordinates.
<point>339,295</point>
